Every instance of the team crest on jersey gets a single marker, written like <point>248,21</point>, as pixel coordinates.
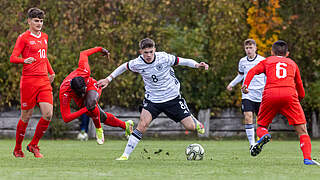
<point>32,42</point>
<point>243,66</point>
<point>159,67</point>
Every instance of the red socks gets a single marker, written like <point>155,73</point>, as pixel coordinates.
<point>305,145</point>
<point>261,131</point>
<point>114,122</point>
<point>20,132</point>
<point>95,116</point>
<point>41,128</point>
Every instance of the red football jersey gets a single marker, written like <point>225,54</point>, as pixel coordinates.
<point>280,72</point>
<point>66,93</point>
<point>31,45</point>
<point>83,69</point>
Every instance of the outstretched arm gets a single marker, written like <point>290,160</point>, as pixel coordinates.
<point>235,81</point>
<point>192,63</point>
<point>83,60</point>
<point>67,116</point>
<point>121,69</point>
<point>258,69</point>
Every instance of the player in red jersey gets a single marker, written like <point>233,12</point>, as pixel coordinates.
<point>35,87</point>
<point>82,88</point>
<point>282,94</point>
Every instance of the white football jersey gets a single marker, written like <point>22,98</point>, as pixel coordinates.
<point>160,83</point>
<point>258,82</point>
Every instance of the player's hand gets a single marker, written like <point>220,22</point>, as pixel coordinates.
<point>29,60</point>
<point>105,53</point>
<point>202,64</point>
<point>51,77</point>
<point>245,89</point>
<point>103,83</point>
<point>229,87</point>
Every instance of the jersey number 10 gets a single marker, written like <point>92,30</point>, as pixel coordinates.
<point>42,53</point>
<point>281,71</point>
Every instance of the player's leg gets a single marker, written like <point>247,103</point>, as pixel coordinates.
<point>28,94</point>
<point>295,115</point>
<point>43,124</point>
<point>178,111</point>
<point>21,131</point>
<point>248,108</point>
<point>91,102</point>
<point>149,112</point>
<point>136,136</point>
<point>267,112</point>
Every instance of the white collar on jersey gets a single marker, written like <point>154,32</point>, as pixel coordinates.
<point>37,36</point>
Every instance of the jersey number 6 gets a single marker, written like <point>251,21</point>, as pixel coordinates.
<point>281,71</point>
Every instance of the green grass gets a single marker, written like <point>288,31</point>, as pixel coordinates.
<point>71,159</point>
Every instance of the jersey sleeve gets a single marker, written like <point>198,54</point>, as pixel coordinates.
<point>299,85</point>
<point>67,116</point>
<point>50,70</point>
<point>83,60</point>
<point>258,69</point>
<point>173,60</point>
<point>240,68</point>
<point>131,65</point>
<point>18,48</point>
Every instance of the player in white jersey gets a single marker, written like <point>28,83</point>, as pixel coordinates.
<point>162,90</point>
<point>251,101</point>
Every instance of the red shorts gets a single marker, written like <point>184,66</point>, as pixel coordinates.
<point>35,89</point>
<point>284,101</point>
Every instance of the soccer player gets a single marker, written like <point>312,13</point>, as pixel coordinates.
<point>282,94</point>
<point>251,101</point>
<point>35,87</point>
<point>83,89</point>
<point>162,90</point>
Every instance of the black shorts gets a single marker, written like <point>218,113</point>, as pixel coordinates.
<point>176,109</point>
<point>250,106</point>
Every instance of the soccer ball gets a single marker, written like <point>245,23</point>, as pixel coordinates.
<point>82,136</point>
<point>194,152</point>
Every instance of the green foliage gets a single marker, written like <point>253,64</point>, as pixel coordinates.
<point>210,31</point>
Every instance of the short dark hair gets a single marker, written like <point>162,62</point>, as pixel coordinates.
<point>280,48</point>
<point>249,42</point>
<point>146,43</point>
<point>78,85</point>
<point>35,13</point>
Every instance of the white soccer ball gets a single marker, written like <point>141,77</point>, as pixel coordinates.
<point>82,136</point>
<point>194,152</point>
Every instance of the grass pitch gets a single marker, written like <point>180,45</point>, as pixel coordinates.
<point>157,159</point>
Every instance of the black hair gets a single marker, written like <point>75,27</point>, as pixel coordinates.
<point>78,85</point>
<point>35,13</point>
<point>280,48</point>
<point>146,43</point>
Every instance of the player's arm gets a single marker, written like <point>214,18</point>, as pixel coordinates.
<point>83,60</point>
<point>51,72</point>
<point>235,81</point>
<point>258,69</point>
<point>67,116</point>
<point>191,63</point>
<point>299,85</point>
<point>103,83</point>
<point>18,48</point>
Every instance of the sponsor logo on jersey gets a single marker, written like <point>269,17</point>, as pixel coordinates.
<point>32,42</point>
